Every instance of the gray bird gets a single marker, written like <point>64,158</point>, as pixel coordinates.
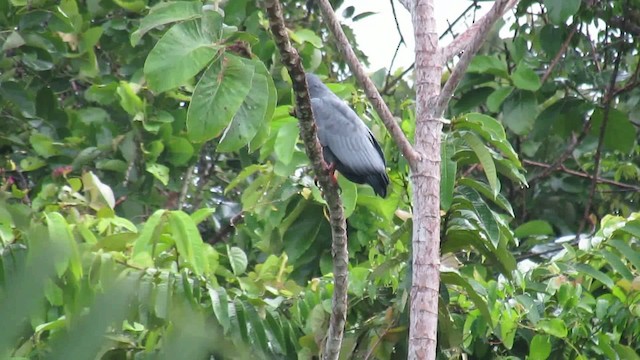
<point>348,145</point>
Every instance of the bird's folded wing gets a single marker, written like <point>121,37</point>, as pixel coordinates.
<point>347,137</point>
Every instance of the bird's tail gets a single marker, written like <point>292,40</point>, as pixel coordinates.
<point>379,182</point>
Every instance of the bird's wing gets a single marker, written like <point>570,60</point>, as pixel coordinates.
<point>347,136</point>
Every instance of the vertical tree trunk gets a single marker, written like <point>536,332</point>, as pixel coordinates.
<point>426,191</point>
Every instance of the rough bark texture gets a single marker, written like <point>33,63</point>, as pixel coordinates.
<point>308,134</point>
<point>426,187</point>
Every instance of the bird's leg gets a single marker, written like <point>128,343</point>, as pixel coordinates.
<point>331,168</point>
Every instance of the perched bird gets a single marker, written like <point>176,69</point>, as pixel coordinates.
<point>348,145</point>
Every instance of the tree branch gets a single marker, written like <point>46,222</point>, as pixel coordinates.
<point>468,42</point>
<point>562,50</point>
<point>475,35</point>
<point>581,174</point>
<point>308,133</point>
<point>363,80</point>
<point>608,98</point>
<point>408,4</point>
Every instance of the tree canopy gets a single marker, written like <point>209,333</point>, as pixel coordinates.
<point>156,200</point>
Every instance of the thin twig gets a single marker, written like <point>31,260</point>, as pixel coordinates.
<point>308,134</point>
<point>582,175</point>
<point>566,153</point>
<point>477,32</point>
<point>609,96</point>
<point>561,52</point>
<point>369,88</point>
<point>470,42</point>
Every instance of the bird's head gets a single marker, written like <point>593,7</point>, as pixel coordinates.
<point>316,87</point>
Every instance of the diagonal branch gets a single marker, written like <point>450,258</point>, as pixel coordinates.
<point>474,36</point>
<point>369,88</point>
<point>308,133</point>
<point>408,4</point>
<point>558,56</point>
<point>468,42</point>
<point>600,180</point>
<point>608,98</point>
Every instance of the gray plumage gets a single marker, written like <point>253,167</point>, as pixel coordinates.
<point>346,141</point>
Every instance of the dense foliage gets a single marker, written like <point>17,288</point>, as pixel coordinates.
<point>155,200</point>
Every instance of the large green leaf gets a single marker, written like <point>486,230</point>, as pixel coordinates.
<point>452,278</point>
<point>520,111</point>
<point>486,160</point>
<point>188,241</point>
<point>525,78</point>
<point>620,134</point>
<point>256,110</point>
<point>165,13</point>
<point>561,10</point>
<point>182,52</point>
<point>218,97</point>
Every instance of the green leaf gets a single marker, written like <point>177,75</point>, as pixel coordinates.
<point>533,228</point>
<point>149,235</point>
<point>159,171</point>
<point>448,169</point>
<point>135,6</point>
<point>555,327</point>
<point>43,145</point>
<point>508,327</point>
<point>488,222</point>
<point>244,174</point>
<point>614,261</point>
<point>625,250</point>
<point>349,195</point>
<point>540,347</point>
<point>180,151</point>
<point>306,35</point>
<point>626,352</point>
<point>99,194</point>
<point>220,304</point>
<point>257,327</point>
<point>253,113</point>
<point>491,130</point>
<point>31,163</point>
<point>181,53</point>
<point>488,64</point>
<point>560,10</point>
<point>486,160</point>
<point>455,279</point>
<point>596,274</point>
<point>520,111</point>
<point>620,134</point>
<point>60,235</point>
<point>14,40</point>
<point>90,38</point>
<point>165,13</point>
<point>218,96</point>
<point>525,78</point>
<point>129,100</point>
<point>497,98</point>
<point>486,191</point>
<point>188,241</point>
<point>286,141</point>
<point>237,259</point>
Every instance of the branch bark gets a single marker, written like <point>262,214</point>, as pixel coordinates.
<point>363,80</point>
<point>308,133</point>
<point>425,286</point>
<point>584,175</point>
<point>477,32</point>
<point>468,42</point>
